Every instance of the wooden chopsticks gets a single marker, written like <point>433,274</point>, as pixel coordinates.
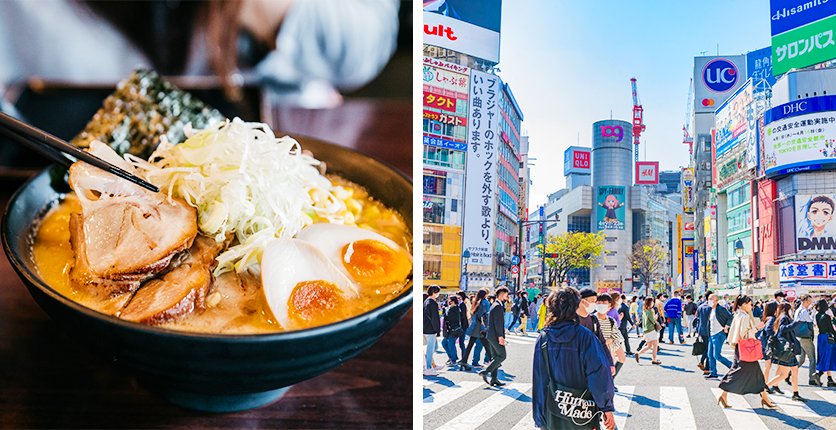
<point>60,151</point>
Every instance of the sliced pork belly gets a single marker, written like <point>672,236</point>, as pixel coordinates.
<point>129,233</point>
<point>179,291</point>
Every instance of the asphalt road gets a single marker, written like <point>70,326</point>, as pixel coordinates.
<point>671,396</point>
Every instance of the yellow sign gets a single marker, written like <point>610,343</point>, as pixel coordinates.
<point>679,244</point>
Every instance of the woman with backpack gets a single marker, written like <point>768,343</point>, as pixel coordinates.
<point>768,319</point>
<point>745,376</point>
<point>452,329</point>
<point>784,347</point>
<point>475,331</point>
<point>573,387</point>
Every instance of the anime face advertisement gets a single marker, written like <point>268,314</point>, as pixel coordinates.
<point>815,229</point>
<point>610,212</point>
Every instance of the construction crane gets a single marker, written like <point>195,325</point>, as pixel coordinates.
<point>638,120</point>
<point>687,139</point>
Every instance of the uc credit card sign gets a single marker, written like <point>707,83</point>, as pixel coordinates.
<point>715,79</point>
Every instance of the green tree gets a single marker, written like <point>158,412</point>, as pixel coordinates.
<point>574,250</point>
<point>648,260</point>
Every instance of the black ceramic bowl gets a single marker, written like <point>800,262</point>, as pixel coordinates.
<point>218,373</point>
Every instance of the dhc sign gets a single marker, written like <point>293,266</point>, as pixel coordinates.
<point>720,75</point>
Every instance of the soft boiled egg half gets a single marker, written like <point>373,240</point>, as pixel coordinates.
<point>309,280</point>
<point>368,258</point>
<point>302,287</point>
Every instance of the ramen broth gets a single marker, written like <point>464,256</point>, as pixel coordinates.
<point>235,303</point>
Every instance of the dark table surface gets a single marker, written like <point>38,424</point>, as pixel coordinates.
<point>46,380</point>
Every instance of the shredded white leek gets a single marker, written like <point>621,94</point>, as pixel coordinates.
<point>244,181</point>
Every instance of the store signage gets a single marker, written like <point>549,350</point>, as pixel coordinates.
<point>577,159</point>
<point>719,75</point>
<point>807,270</point>
<point>469,30</point>
<point>789,14</point>
<point>612,131</point>
<point>444,143</point>
<point>439,101</point>
<point>647,172</point>
<point>801,134</point>
<point>759,67</point>
<point>445,118</point>
<point>689,226</point>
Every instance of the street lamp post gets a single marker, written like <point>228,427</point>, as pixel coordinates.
<point>463,274</point>
<point>520,225</point>
<point>738,251</point>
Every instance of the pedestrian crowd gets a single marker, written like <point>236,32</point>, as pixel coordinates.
<point>583,342</point>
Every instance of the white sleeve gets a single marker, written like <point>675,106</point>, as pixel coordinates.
<point>346,43</point>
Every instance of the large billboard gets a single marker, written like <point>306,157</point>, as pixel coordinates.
<point>445,89</point>
<point>800,135</point>
<point>735,136</point>
<point>687,186</point>
<point>715,79</point>
<point>815,231</point>
<point>577,159</point>
<point>466,26</point>
<point>802,33</point>
<point>610,213</point>
<point>480,170</point>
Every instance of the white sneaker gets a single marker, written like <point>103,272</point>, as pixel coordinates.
<point>430,372</point>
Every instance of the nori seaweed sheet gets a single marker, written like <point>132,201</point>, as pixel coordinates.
<point>144,108</point>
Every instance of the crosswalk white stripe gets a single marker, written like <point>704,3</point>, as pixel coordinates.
<point>479,414</point>
<point>621,402</point>
<point>793,408</point>
<point>675,409</point>
<point>740,415</point>
<point>520,342</point>
<point>829,396</point>
<point>526,423</point>
<point>447,395</point>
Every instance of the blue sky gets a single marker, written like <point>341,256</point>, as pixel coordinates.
<point>569,63</point>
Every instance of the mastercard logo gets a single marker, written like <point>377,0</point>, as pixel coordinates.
<point>708,102</point>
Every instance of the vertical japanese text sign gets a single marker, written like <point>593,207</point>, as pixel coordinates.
<point>480,171</point>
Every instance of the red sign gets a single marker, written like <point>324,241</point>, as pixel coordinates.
<point>439,101</point>
<point>647,172</point>
<point>515,270</point>
<point>445,118</point>
<point>689,226</point>
<point>767,239</point>
<point>580,159</point>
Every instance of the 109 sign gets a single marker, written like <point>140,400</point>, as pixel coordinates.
<point>612,131</point>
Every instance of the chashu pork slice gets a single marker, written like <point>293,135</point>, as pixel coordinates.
<point>129,233</point>
<point>104,295</point>
<point>178,292</point>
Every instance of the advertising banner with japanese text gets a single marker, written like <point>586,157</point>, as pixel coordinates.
<point>800,135</point>
<point>802,33</point>
<point>759,67</point>
<point>647,172</point>
<point>480,171</point>
<point>466,26</point>
<point>735,139</point>
<point>815,230</point>
<point>687,187</point>
<point>610,212</point>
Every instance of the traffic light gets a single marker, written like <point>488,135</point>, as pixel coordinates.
<point>550,255</point>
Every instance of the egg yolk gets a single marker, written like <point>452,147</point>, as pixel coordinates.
<point>372,263</point>
<point>314,303</point>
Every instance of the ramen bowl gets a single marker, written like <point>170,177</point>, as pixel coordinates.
<point>211,372</point>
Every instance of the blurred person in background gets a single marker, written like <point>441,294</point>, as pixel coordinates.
<point>826,342</point>
<point>432,327</point>
<point>308,50</point>
<point>452,329</point>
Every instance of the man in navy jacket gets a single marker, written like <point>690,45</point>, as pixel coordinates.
<point>496,337</point>
<point>673,310</point>
<point>715,325</point>
<point>575,356</point>
<point>703,312</point>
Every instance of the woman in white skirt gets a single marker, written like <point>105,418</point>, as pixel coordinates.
<point>651,336</point>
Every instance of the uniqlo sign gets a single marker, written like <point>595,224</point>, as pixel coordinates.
<point>577,159</point>
<point>647,172</point>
